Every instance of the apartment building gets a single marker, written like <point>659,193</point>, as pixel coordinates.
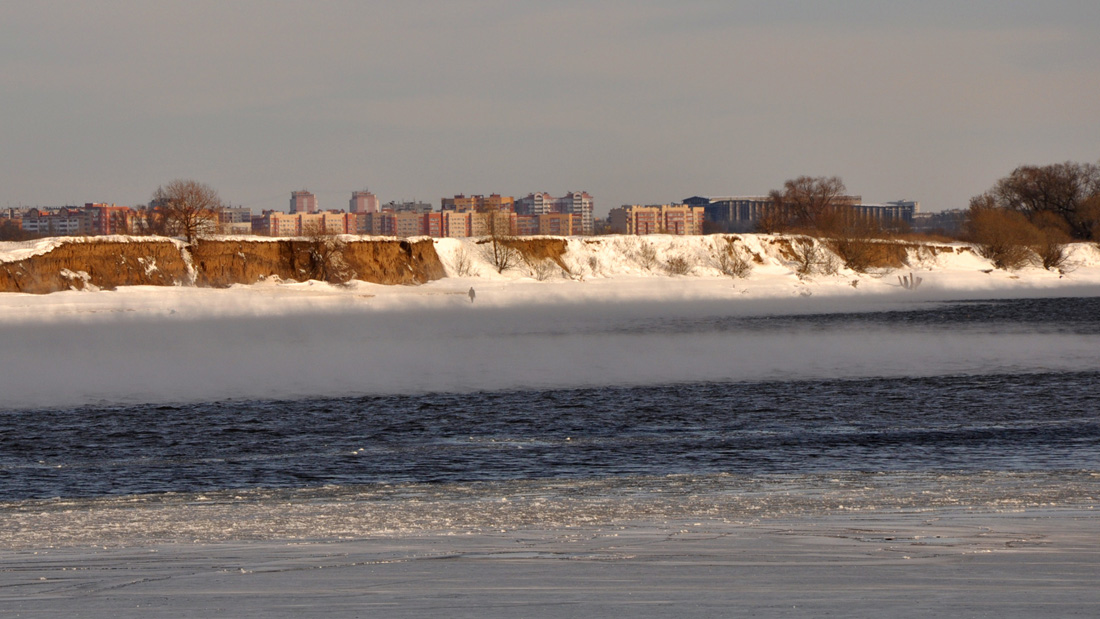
<point>94,218</point>
<point>64,221</point>
<point>479,203</point>
<point>539,203</point>
<point>278,223</point>
<point>363,202</point>
<point>407,206</point>
<point>527,225</point>
<point>108,218</point>
<point>235,220</point>
<point>302,202</point>
<point>494,223</point>
<point>657,219</point>
<point>408,224</point>
<point>456,224</point>
<point>579,204</point>
<point>557,224</point>
<point>434,225</point>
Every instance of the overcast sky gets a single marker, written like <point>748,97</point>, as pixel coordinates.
<point>635,102</point>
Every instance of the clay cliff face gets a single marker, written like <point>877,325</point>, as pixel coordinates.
<point>103,264</point>
<point>222,263</point>
<point>217,263</point>
<point>540,248</point>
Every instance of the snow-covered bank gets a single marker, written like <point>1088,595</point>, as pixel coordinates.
<point>663,264</point>
<point>653,267</point>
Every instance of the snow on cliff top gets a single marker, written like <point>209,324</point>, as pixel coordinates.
<point>601,271</point>
<point>21,250</point>
<point>952,265</point>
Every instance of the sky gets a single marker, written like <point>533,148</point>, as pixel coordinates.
<point>641,102</point>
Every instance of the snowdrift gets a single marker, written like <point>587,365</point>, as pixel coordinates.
<point>774,265</point>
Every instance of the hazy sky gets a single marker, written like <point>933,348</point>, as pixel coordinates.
<point>634,102</point>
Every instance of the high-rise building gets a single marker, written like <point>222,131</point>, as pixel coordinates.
<point>538,203</point>
<point>303,202</point>
<point>579,204</point>
<point>363,202</point>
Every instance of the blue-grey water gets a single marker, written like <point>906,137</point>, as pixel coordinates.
<point>1034,420</point>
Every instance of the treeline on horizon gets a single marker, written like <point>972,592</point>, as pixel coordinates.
<point>1027,217</point>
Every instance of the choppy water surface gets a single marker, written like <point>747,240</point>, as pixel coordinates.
<point>1038,420</point>
<point>1023,422</point>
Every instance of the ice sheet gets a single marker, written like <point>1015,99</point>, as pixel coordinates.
<point>942,562</point>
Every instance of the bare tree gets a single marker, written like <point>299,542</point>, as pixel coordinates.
<point>1068,191</point>
<point>807,203</point>
<point>326,260</point>
<point>498,249</point>
<point>187,207</point>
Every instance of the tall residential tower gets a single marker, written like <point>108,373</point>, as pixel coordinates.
<point>303,202</point>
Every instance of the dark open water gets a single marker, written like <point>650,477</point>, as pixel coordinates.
<point>1032,421</point>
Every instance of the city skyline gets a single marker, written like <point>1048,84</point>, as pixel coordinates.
<point>644,102</point>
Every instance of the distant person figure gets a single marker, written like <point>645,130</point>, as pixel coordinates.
<point>472,294</point>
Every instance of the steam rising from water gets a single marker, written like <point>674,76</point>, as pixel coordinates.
<point>352,350</point>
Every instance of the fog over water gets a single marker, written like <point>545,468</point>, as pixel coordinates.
<point>455,346</point>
